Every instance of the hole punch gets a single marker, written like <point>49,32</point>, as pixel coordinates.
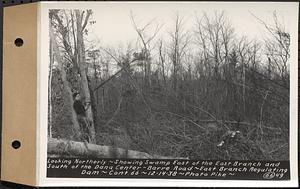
<point>19,42</point>
<point>16,144</point>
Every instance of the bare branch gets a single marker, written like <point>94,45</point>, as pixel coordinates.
<point>88,14</point>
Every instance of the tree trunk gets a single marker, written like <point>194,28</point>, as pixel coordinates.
<point>82,69</point>
<point>80,149</point>
<point>162,62</point>
<point>148,71</point>
<point>50,90</point>
<point>65,84</point>
<point>244,89</point>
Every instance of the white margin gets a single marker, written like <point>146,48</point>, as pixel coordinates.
<point>43,59</point>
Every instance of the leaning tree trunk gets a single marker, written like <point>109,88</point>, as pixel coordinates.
<point>83,74</point>
<point>58,147</point>
<point>65,84</point>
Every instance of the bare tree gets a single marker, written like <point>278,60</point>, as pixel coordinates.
<point>214,36</point>
<point>67,25</point>
<point>180,39</point>
<point>162,60</point>
<point>147,42</point>
<point>277,47</point>
<point>82,18</point>
<point>242,49</point>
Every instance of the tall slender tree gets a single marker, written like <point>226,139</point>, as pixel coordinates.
<point>82,18</point>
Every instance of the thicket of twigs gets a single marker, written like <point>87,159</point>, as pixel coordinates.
<point>180,96</point>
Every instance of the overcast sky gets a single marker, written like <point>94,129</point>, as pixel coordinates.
<point>113,24</point>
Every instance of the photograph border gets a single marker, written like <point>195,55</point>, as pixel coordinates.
<point>42,116</point>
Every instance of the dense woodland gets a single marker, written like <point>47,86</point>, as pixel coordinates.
<point>177,96</point>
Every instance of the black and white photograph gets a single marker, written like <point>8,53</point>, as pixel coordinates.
<point>175,81</point>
